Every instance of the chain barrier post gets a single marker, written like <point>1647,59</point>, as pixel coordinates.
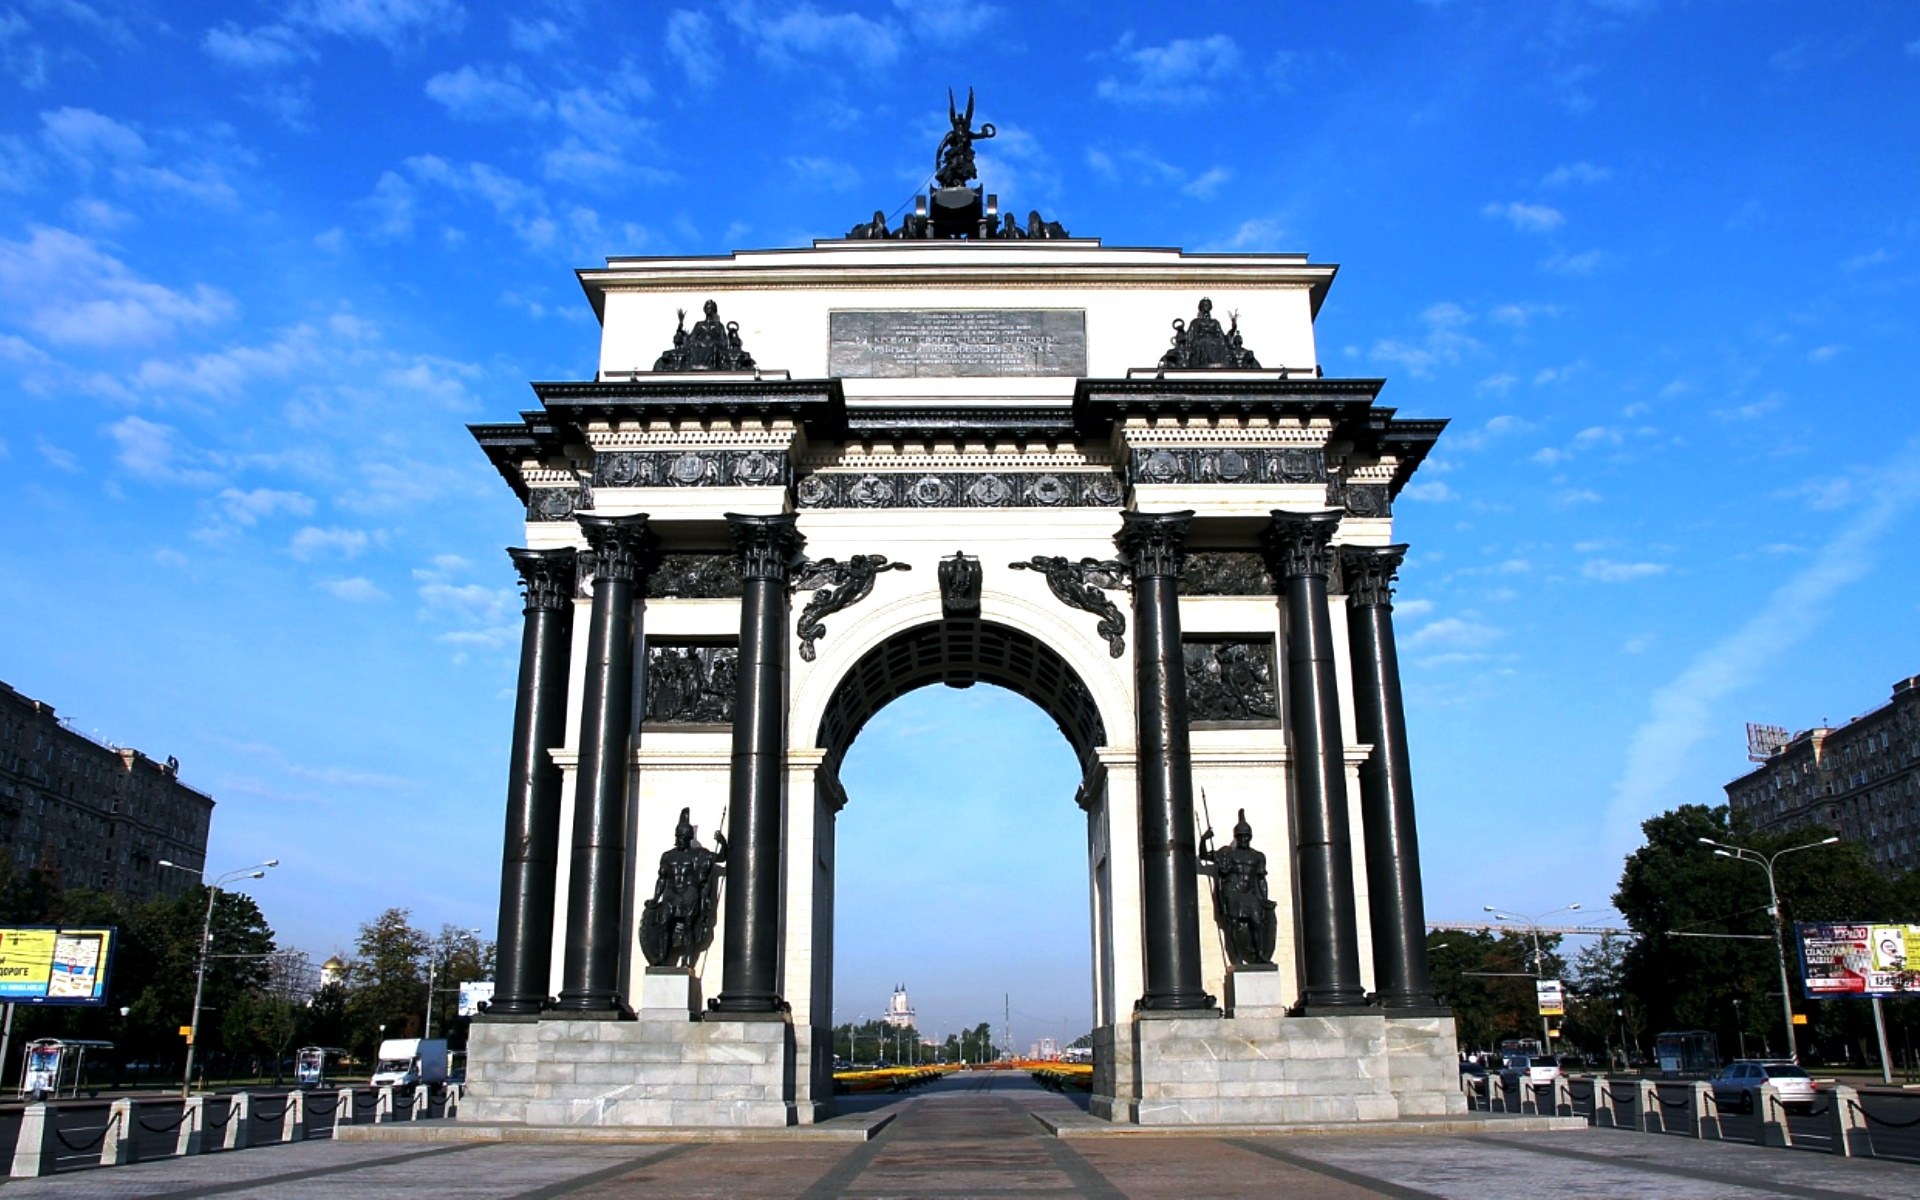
<point>342,1109</point>
<point>383,1106</point>
<point>1647,1098</point>
<point>239,1114</point>
<point>1772,1117</point>
<point>293,1118</point>
<point>1606,1114</point>
<point>1848,1123</point>
<point>34,1151</point>
<point>1562,1095</point>
<point>193,1117</point>
<point>117,1145</point>
<point>1706,1128</point>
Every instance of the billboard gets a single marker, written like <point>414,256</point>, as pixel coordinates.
<point>1843,960</point>
<point>474,993</point>
<point>1552,997</point>
<point>51,965</point>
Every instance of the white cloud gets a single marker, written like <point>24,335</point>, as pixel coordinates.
<point>225,374</point>
<point>1520,315</point>
<point>1682,713</point>
<point>1527,218</point>
<point>1454,633</point>
<point>690,42</point>
<point>803,31</point>
<point>1576,172</point>
<point>1430,492</point>
<point>1184,71</point>
<point>945,21</point>
<point>1495,385</point>
<point>249,508</point>
<point>1871,258</point>
<point>1255,234</point>
<point>824,174</point>
<point>1824,354</point>
<point>86,136</point>
<point>155,452</point>
<point>474,94</point>
<point>57,458</point>
<point>1444,343</point>
<point>1549,456</point>
<point>535,37</point>
<point>1607,570</point>
<point>67,289</point>
<point>1202,187</point>
<point>1496,427</point>
<point>479,616</point>
<point>261,48</point>
<point>356,590</point>
<point>1413,608</point>
<point>312,542</point>
<point>1583,263</point>
<point>1567,497</point>
<point>392,23</point>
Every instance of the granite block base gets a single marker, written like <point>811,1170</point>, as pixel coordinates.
<point>664,1070</point>
<point>1276,1070</point>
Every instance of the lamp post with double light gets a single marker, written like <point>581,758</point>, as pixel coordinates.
<point>256,871</point>
<point>1765,862</point>
<point>1532,925</point>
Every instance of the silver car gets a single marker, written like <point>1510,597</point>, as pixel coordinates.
<point>1738,1087</point>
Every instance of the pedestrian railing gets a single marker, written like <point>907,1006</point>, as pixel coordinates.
<point>1844,1125</point>
<point>46,1144</point>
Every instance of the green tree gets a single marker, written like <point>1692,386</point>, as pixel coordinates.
<point>386,984</point>
<point>459,956</point>
<point>1706,936</point>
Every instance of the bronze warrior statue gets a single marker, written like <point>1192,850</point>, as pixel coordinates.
<point>1240,900</point>
<point>953,161</point>
<point>677,924</point>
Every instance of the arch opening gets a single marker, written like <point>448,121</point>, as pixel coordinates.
<point>961,653</point>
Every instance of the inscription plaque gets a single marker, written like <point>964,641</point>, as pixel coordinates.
<point>915,343</point>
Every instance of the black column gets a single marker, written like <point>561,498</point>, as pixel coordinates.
<point>589,980</point>
<point>1399,918</point>
<point>1155,547</point>
<point>1297,547</point>
<point>769,548</point>
<point>524,959</point>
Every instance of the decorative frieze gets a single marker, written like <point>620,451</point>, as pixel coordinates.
<point>691,683</point>
<point>1226,573</point>
<point>690,468</point>
<point>1360,499</point>
<point>712,575</point>
<point>1230,679</point>
<point>842,585</point>
<point>961,489</point>
<point>1227,464</point>
<point>557,504</point>
<point>1079,585</point>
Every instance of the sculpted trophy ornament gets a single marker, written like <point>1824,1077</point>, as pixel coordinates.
<point>1240,900</point>
<point>1203,343</point>
<point>1083,585</point>
<point>677,924</point>
<point>841,585</point>
<point>711,345</point>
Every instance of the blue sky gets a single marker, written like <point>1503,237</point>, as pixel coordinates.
<point>260,263</point>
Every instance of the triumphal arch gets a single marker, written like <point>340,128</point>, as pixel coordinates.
<point>961,448</point>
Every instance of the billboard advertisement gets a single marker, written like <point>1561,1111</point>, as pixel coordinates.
<point>1851,960</point>
<point>51,965</point>
<point>1552,997</point>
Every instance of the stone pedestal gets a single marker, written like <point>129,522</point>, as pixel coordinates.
<point>662,1070</point>
<point>1254,991</point>
<point>1275,1070</point>
<point>667,992</point>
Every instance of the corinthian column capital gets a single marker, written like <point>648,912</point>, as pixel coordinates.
<point>1369,572</point>
<point>619,545</point>
<point>1299,544</point>
<point>769,546</point>
<point>547,578</point>
<point>1155,543</point>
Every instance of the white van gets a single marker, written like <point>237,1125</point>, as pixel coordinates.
<point>408,1061</point>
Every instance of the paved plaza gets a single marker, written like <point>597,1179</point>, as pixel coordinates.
<point>979,1136</point>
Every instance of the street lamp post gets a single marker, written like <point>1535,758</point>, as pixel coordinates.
<point>1532,925</point>
<point>256,871</point>
<point>1765,862</point>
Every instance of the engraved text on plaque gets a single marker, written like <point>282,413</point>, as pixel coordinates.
<point>910,343</point>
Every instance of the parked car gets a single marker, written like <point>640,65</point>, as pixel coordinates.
<point>1738,1086</point>
<point>1536,1069</point>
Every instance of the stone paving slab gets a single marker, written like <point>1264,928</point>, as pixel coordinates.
<point>980,1136</point>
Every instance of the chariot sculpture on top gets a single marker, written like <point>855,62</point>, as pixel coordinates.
<point>953,208</point>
